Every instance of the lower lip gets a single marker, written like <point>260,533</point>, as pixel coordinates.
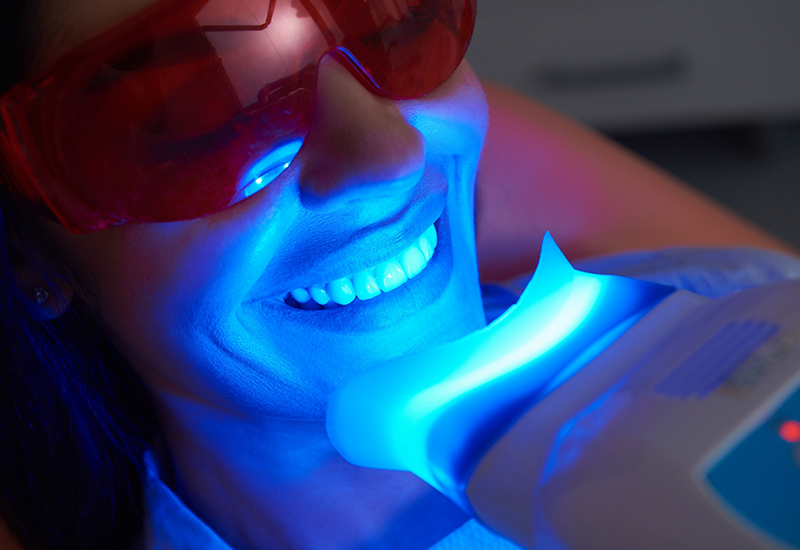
<point>389,308</point>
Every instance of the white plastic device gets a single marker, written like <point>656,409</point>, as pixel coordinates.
<point>652,419</point>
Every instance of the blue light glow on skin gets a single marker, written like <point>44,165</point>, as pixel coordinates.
<point>437,411</point>
<point>240,379</point>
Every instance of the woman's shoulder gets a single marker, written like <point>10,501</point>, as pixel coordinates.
<point>542,172</point>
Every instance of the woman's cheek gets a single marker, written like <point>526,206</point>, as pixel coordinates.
<point>454,117</point>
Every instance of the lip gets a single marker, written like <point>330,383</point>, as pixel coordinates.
<point>365,248</point>
<point>386,310</point>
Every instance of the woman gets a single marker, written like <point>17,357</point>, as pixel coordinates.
<point>228,317</point>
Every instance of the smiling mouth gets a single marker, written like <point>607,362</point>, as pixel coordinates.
<point>369,283</point>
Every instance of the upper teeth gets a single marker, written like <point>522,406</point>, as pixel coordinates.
<point>384,277</point>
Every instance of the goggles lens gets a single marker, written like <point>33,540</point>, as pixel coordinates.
<point>194,105</point>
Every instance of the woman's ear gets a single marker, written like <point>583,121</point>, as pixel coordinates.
<point>50,297</point>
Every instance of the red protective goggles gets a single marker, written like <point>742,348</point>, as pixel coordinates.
<point>193,105</point>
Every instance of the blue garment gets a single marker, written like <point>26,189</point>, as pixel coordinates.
<point>170,525</point>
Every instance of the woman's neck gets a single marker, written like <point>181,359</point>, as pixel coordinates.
<point>275,483</point>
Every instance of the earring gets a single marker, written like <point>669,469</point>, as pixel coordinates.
<point>40,295</point>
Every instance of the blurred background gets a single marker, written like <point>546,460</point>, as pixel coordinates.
<point>707,89</point>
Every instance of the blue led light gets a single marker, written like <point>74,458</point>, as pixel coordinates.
<point>563,312</point>
<point>436,412</point>
<point>267,168</point>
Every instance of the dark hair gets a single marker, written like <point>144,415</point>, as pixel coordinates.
<point>74,419</point>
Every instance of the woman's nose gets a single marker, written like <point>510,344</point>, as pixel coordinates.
<point>359,146</point>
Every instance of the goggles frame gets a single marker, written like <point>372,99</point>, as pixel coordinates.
<point>77,144</point>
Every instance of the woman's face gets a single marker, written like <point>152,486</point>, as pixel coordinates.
<point>197,307</point>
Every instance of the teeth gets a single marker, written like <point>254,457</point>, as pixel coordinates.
<point>390,275</point>
<point>301,295</point>
<point>413,261</point>
<point>425,247</point>
<point>342,291</point>
<point>368,284</point>
<point>430,234</point>
<point>319,294</point>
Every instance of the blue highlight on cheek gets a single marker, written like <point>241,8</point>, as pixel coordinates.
<point>436,412</point>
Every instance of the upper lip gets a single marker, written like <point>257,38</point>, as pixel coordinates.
<point>332,257</point>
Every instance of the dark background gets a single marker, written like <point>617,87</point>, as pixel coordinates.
<point>707,89</point>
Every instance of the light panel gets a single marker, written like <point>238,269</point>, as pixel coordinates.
<point>436,412</point>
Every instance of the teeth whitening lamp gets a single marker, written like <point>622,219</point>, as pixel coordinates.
<point>601,412</point>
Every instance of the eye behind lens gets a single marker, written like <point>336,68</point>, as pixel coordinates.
<point>266,169</point>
